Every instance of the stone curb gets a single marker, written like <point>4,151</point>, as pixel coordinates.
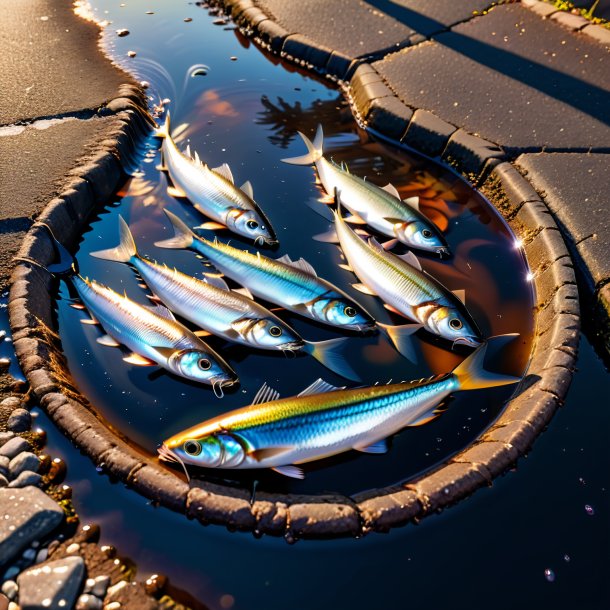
<point>575,23</point>
<point>309,516</point>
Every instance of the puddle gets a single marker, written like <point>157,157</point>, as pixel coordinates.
<point>246,112</point>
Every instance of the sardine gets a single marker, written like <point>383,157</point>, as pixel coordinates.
<point>322,421</point>
<point>293,285</point>
<point>213,193</point>
<point>405,287</point>
<point>379,208</point>
<point>212,306</point>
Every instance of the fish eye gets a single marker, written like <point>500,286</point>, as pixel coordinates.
<point>350,312</point>
<point>275,331</point>
<point>455,323</point>
<point>427,233</point>
<point>252,224</point>
<point>192,448</point>
<point>204,364</point>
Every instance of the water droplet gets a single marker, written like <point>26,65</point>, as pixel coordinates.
<point>549,575</point>
<point>589,510</point>
<point>566,558</point>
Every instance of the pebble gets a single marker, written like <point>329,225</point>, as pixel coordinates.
<point>51,585</point>
<point>131,53</point>
<point>26,479</point>
<point>14,446</point>
<point>20,420</point>
<point>73,548</point>
<point>122,32</point>
<point>5,436</point>
<point>9,588</point>
<point>112,606</point>
<point>4,603</point>
<point>42,555</point>
<point>89,602</point>
<point>11,403</point>
<point>98,586</point>
<point>24,461</point>
<point>3,481</point>
<point>13,606</point>
<point>29,554</point>
<point>4,462</point>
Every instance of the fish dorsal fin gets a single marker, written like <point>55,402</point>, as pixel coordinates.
<point>460,294</point>
<point>139,360</point>
<point>217,282</point>
<point>344,266</point>
<point>412,202</point>
<point>294,472</point>
<point>355,219</point>
<point>410,259</point>
<point>390,188</point>
<point>244,292</point>
<point>373,243</point>
<point>108,341</point>
<point>378,447</point>
<point>225,171</point>
<point>364,289</point>
<point>301,264</point>
<point>246,188</point>
<point>174,191</point>
<point>319,386</point>
<point>285,259</point>
<point>188,151</point>
<point>265,394</point>
<point>162,311</point>
<point>197,159</point>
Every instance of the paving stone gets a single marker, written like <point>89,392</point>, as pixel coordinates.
<point>389,116</point>
<point>427,133</point>
<point>471,153</point>
<point>54,584</point>
<point>14,446</point>
<point>341,25</point>
<point>27,514</point>
<point>11,244</point>
<point>570,21</point>
<point>575,188</point>
<point>598,33</point>
<point>5,437</point>
<point>544,9</point>
<point>3,480</point>
<point>4,465</point>
<point>55,71</point>
<point>22,462</point>
<point>19,421</point>
<point>493,78</point>
<point>26,479</point>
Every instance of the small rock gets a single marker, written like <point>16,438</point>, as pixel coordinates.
<point>89,602</point>
<point>29,514</point>
<point>4,363</point>
<point>131,54</point>
<point>51,585</point>
<point>100,586</point>
<point>24,461</point>
<point>29,554</point>
<point>13,606</point>
<point>11,403</point>
<point>4,603</point>
<point>5,437</point>
<point>112,606</point>
<point>26,479</point>
<point>122,32</point>
<point>4,462</point>
<point>42,555</point>
<point>188,19</point>
<point>9,588</point>
<point>14,446</point>
<point>20,420</point>
<point>3,481</point>
<point>73,548</point>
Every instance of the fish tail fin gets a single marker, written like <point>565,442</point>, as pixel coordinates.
<point>400,336</point>
<point>125,251</point>
<point>471,373</point>
<point>66,264</point>
<point>314,149</point>
<point>183,236</point>
<point>163,130</point>
<point>331,354</point>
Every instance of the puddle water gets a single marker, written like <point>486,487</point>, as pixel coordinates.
<point>245,111</point>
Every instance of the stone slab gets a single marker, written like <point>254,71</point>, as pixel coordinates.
<point>493,78</point>
<point>58,69</point>
<point>350,27</point>
<point>575,188</point>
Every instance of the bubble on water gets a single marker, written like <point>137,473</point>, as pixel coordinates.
<point>566,558</point>
<point>233,58</point>
<point>589,509</point>
<point>131,53</point>
<point>199,72</point>
<point>549,575</point>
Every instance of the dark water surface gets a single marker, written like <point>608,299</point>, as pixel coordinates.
<point>493,547</point>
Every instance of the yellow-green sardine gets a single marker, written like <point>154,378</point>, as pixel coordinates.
<point>212,306</point>
<point>405,287</point>
<point>213,193</point>
<point>293,285</point>
<point>380,208</point>
<point>321,421</point>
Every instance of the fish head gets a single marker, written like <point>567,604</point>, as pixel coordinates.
<point>202,366</point>
<point>271,333</point>
<point>251,224</point>
<point>341,312</point>
<point>423,236</point>
<point>208,451</point>
<point>454,325</point>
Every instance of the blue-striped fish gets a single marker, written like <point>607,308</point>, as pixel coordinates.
<point>213,193</point>
<point>322,421</point>
<point>379,208</point>
<point>212,306</point>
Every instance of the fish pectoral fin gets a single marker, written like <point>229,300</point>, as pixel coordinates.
<point>394,310</point>
<point>202,333</point>
<point>211,226</point>
<point>425,418</point>
<point>294,472</point>
<point>161,310</point>
<point>411,259</point>
<point>215,281</point>
<point>139,360</point>
<point>388,245</point>
<point>460,294</point>
<point>364,289</point>
<point>394,221</point>
<point>246,188</point>
<point>108,341</point>
<point>355,219</point>
<point>77,306</point>
<point>153,298</point>
<point>319,386</point>
<point>174,191</point>
<point>265,394</point>
<point>91,320</point>
<point>401,338</point>
<point>244,292</point>
<point>346,267</point>
<point>390,188</point>
<point>225,171</point>
<point>161,167</point>
<point>330,237</point>
<point>412,202</point>
<point>258,455</point>
<point>377,447</point>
